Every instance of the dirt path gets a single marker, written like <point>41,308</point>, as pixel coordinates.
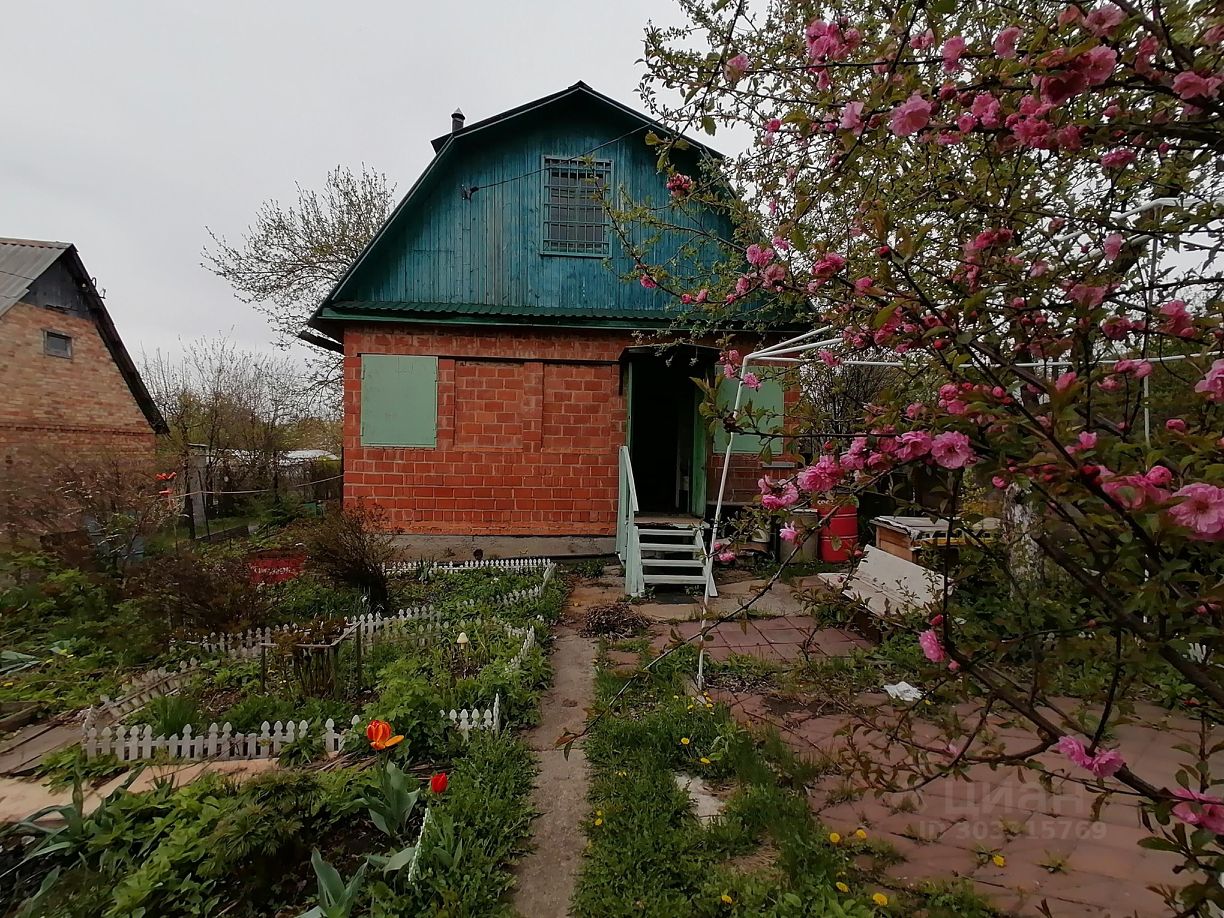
<point>546,877</point>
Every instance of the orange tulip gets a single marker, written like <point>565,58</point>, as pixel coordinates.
<point>379,734</point>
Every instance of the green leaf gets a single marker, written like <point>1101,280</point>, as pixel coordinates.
<point>707,125</point>
<point>400,859</point>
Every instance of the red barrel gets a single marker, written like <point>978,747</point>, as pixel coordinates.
<point>843,527</point>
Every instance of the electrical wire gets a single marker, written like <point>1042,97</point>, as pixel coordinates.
<point>304,484</point>
<point>569,159</point>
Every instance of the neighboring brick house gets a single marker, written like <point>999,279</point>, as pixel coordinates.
<point>493,363</point>
<point>69,391</point>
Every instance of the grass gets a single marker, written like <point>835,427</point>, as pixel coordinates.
<point>766,855</point>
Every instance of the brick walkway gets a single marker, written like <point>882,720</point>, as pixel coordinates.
<point>1056,849</point>
<point>783,639</point>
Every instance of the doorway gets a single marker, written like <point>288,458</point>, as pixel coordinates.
<point>667,442</point>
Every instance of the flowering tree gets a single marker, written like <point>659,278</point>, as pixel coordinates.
<point>1024,202</point>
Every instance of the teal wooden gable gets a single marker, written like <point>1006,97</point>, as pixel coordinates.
<point>475,240</point>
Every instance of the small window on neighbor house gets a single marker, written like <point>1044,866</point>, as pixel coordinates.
<point>575,222</point>
<point>57,345</point>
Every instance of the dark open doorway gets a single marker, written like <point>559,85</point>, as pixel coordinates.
<point>666,440</point>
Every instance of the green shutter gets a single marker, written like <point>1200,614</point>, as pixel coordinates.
<point>769,396</point>
<point>399,400</point>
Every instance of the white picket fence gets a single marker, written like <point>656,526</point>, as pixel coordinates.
<point>529,641</point>
<point>140,691</point>
<point>137,743</point>
<point>428,568</point>
<point>466,721</point>
<point>247,643</point>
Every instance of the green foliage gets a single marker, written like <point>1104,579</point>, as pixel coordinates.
<point>392,800</point>
<point>60,769</point>
<point>337,899</point>
<point>169,714</point>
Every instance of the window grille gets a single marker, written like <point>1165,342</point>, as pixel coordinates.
<point>574,219</point>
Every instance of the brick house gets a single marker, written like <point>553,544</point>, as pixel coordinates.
<point>496,376</point>
<point>71,393</point>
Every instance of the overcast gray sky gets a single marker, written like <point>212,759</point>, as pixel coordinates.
<point>130,126</point>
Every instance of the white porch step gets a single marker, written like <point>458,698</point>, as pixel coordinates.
<point>686,547</point>
<point>678,531</point>
<point>677,579</point>
<point>673,562</point>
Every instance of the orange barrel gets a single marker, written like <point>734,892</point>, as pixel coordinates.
<point>844,528</point>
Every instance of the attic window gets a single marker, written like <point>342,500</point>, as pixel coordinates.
<point>57,345</point>
<point>575,222</point>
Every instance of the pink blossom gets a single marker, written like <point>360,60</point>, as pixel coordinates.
<point>726,557</point>
<point>1200,810</point>
<point>923,41</point>
<point>828,265</point>
<point>1085,441</point>
<point>1097,64</point>
<point>789,533</point>
<point>1137,368</point>
<point>1065,381</point>
<point>759,255</point>
<point>1118,159</point>
<point>751,381</point>
<point>1112,246</point>
<point>1069,15</point>
<point>1190,85</point>
<point>1103,20</point>
<point>1175,319</point>
<point>1005,42</point>
<point>1176,425</point>
<point>1087,295</point>
<point>852,117</point>
<point>736,67</point>
<point>679,185</point>
<point>1061,85</point>
<point>648,282</point>
<point>986,109</point>
<point>855,457</point>
<point>952,450</point>
<point>777,496</point>
<point>1212,385</point>
<point>951,52</point>
<point>729,371</point>
<point>1133,492</point>
<point>822,476</point>
<point>1201,510</point>
<point>910,116</point>
<point>828,358</point>
<point>966,123</point>
<point>1104,764</point>
<point>913,445</point>
<point>932,648</point>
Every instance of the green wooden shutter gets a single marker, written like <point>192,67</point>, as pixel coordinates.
<point>769,397</point>
<point>399,400</point>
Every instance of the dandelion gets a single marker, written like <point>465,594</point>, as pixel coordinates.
<point>999,860</point>
<point>726,899</point>
<point>860,834</point>
<point>704,760</point>
<point>684,741</point>
<point>879,899</point>
<point>842,887</point>
<point>834,838</point>
<point>622,774</point>
<point>599,820</point>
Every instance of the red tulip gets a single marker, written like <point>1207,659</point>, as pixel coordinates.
<point>437,784</point>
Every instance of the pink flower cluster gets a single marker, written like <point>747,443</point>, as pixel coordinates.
<point>1134,492</point>
<point>1104,764</point>
<point>777,495</point>
<point>679,185</point>
<point>932,647</point>
<point>1212,385</point>
<point>1200,810</point>
<point>1201,510</point>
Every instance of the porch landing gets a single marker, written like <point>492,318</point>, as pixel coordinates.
<point>413,547</point>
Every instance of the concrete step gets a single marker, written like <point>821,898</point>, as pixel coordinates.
<point>676,579</point>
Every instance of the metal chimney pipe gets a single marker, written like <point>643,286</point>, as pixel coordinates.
<point>457,120</point>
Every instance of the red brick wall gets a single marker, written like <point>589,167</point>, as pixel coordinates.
<point>63,409</point>
<point>529,425</point>
<point>527,437</point>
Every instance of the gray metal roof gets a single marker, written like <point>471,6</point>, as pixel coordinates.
<point>22,261</point>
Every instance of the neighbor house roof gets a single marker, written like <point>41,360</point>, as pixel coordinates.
<point>24,261</point>
<point>335,308</point>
